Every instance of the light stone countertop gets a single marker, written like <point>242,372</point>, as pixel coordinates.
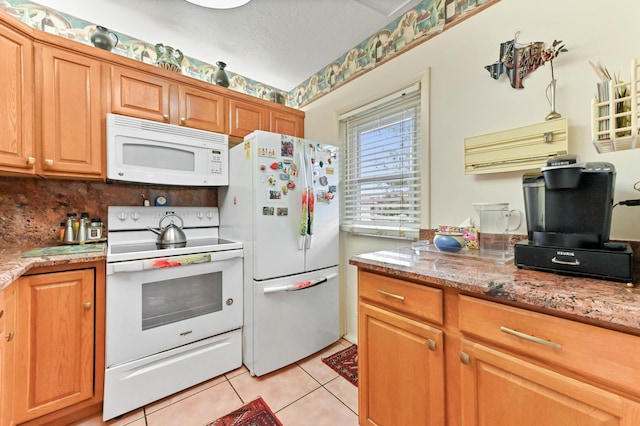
<point>606,303</point>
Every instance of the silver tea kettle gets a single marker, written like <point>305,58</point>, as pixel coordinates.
<point>171,236</point>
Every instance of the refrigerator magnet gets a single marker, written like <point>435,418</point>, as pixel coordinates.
<point>283,211</point>
<point>323,180</point>
<point>329,170</point>
<point>267,211</point>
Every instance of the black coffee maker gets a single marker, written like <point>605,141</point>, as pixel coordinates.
<point>568,206</point>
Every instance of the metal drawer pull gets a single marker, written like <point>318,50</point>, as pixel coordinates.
<point>9,336</point>
<point>394,296</point>
<point>87,305</point>
<point>575,262</point>
<point>431,344</point>
<point>530,338</point>
<point>464,358</point>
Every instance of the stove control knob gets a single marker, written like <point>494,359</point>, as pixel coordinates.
<point>135,215</point>
<point>209,214</point>
<point>200,215</point>
<point>122,216</point>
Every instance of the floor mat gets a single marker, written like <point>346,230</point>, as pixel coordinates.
<point>345,363</point>
<point>254,413</point>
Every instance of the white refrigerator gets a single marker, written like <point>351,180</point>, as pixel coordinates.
<point>282,202</point>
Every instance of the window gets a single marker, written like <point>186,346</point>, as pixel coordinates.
<point>381,167</point>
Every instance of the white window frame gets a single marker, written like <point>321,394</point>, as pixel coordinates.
<point>401,111</point>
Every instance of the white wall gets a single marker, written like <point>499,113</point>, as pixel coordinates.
<point>465,101</point>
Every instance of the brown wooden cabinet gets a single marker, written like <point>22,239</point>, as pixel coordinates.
<point>245,117</point>
<point>144,95</point>
<point>71,116</point>
<point>59,345</point>
<point>287,124</point>
<point>501,389</point>
<point>56,93</point>
<point>7,345</point>
<point>17,152</point>
<point>503,365</point>
<point>400,359</point>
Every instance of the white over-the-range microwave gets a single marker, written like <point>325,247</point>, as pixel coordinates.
<point>143,151</point>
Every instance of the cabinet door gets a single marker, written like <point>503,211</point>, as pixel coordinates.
<point>286,124</point>
<point>72,114</point>
<point>500,389</point>
<point>16,103</point>
<point>139,94</point>
<point>54,342</point>
<point>245,117</point>
<point>202,110</point>
<point>7,344</point>
<point>401,370</point>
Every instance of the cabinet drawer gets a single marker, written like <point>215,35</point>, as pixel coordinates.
<point>403,296</point>
<point>603,355</point>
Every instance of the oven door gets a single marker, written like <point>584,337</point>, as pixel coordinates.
<point>158,304</point>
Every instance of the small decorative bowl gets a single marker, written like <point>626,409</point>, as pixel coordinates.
<point>449,241</point>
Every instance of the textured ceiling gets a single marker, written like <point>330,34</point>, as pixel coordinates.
<point>276,42</point>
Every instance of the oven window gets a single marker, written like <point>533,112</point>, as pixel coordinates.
<point>158,157</point>
<point>178,299</point>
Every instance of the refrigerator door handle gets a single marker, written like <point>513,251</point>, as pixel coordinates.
<point>300,285</point>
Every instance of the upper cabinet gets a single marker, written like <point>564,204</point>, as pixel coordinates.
<point>71,114</point>
<point>56,92</point>
<point>288,124</point>
<point>16,102</point>
<point>150,97</point>
<point>245,117</point>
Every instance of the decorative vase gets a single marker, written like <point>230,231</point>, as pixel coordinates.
<point>551,98</point>
<point>168,58</point>
<point>103,38</point>
<point>220,77</point>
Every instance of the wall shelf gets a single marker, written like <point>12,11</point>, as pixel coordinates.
<point>615,114</point>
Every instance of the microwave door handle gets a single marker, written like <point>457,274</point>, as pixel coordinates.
<point>302,285</point>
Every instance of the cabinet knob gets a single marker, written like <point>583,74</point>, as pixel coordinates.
<point>31,161</point>
<point>1,313</point>
<point>166,116</point>
<point>464,358</point>
<point>431,344</point>
<point>9,336</point>
<point>183,120</point>
<point>48,162</point>
<point>87,305</point>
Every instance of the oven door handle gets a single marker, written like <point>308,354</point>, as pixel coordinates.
<point>300,285</point>
<point>173,261</point>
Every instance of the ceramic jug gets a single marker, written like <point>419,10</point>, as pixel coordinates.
<point>168,57</point>
<point>220,76</point>
<point>103,38</point>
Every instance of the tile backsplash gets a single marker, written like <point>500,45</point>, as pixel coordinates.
<point>31,209</point>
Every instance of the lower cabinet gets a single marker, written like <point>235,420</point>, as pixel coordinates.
<point>400,359</point>
<point>423,347</point>
<point>59,345</point>
<point>7,345</point>
<point>401,376</point>
<point>500,389</point>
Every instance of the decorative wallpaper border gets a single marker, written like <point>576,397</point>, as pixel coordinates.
<point>427,19</point>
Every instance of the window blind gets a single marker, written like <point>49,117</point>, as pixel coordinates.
<point>381,167</point>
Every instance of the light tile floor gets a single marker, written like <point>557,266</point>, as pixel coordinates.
<point>305,393</point>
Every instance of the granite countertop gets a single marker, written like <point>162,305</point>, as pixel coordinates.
<point>12,266</point>
<point>607,303</point>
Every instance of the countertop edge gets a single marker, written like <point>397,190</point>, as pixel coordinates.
<point>600,302</point>
<point>12,266</point>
